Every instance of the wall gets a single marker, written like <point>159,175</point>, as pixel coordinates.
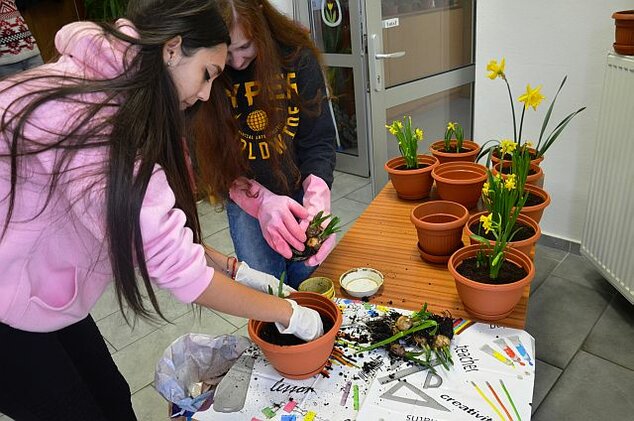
<point>543,40</point>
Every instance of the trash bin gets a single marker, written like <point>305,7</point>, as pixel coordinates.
<point>192,366</point>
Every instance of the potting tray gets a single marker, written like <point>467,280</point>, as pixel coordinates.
<point>484,383</point>
<point>384,238</point>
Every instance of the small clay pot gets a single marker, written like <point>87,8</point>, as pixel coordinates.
<point>536,212</point>
<point>411,184</point>
<point>525,246</point>
<point>624,32</point>
<point>436,149</point>
<point>488,301</point>
<point>304,360</point>
<point>460,182</point>
<point>439,225</point>
<point>535,179</point>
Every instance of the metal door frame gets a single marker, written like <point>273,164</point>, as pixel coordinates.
<point>356,60</point>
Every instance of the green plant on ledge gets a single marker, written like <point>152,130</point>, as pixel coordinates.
<point>408,139</point>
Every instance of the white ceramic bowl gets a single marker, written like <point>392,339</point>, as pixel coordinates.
<point>361,282</point>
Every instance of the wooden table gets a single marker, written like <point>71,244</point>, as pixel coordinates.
<point>384,238</point>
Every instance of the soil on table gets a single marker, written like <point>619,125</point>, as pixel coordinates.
<point>270,334</point>
<point>533,200</point>
<point>509,273</point>
<point>404,167</point>
<point>525,231</point>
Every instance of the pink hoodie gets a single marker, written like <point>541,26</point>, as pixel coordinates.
<point>55,266</point>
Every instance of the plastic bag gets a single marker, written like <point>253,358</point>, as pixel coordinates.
<point>195,358</point>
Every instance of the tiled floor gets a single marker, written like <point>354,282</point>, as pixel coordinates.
<point>584,329</point>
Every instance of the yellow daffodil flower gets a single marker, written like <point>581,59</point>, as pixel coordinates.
<point>392,128</point>
<point>509,184</point>
<point>399,124</point>
<point>532,97</point>
<point>528,144</point>
<point>419,134</point>
<point>495,69</point>
<point>487,222</point>
<point>507,146</point>
<point>451,126</point>
<point>485,188</point>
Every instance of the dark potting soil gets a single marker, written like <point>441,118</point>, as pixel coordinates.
<point>507,170</point>
<point>508,274</point>
<point>533,200</point>
<point>270,334</point>
<point>404,167</point>
<point>453,150</point>
<point>524,232</point>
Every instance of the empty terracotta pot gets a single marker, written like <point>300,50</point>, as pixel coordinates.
<point>525,246</point>
<point>436,149</point>
<point>460,182</point>
<point>411,184</point>
<point>535,179</point>
<point>487,301</point>
<point>304,360</point>
<point>439,225</point>
<point>536,212</point>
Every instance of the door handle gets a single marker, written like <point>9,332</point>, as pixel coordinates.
<point>383,56</point>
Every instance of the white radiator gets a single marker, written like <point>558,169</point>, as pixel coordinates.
<point>609,228</point>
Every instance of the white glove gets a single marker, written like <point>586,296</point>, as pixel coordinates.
<point>305,323</point>
<point>255,279</point>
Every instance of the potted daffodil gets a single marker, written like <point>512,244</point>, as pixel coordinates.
<point>450,150</point>
<point>531,98</point>
<point>410,173</point>
<point>491,275</point>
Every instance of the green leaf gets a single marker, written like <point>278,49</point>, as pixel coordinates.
<point>549,112</point>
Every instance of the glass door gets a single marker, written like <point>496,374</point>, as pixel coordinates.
<point>336,29</point>
<point>420,56</point>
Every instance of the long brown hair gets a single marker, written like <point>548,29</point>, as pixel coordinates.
<point>145,130</point>
<point>279,41</point>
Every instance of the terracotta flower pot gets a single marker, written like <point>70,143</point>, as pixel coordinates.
<point>304,360</point>
<point>534,179</point>
<point>535,212</point>
<point>411,184</point>
<point>460,182</point>
<point>624,32</point>
<point>525,246</point>
<point>488,301</point>
<point>439,225</point>
<point>436,149</point>
<point>495,159</point>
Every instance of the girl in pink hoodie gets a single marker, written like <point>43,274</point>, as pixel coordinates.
<point>94,188</point>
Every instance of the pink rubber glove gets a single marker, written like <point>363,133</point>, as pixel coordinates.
<point>317,198</point>
<point>276,214</point>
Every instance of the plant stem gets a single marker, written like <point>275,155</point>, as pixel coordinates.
<point>508,87</point>
<point>423,325</point>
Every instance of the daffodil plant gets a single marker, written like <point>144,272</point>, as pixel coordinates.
<point>454,129</point>
<point>408,138</point>
<point>504,201</point>
<point>531,98</point>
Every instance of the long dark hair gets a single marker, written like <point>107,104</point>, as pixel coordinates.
<point>146,130</point>
<point>279,40</point>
